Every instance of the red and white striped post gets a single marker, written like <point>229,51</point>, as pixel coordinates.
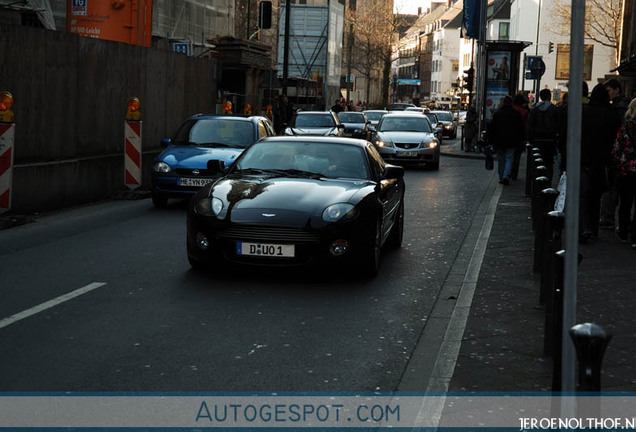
<point>7,137</point>
<point>132,149</point>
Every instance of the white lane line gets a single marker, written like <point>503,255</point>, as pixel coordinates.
<point>49,304</point>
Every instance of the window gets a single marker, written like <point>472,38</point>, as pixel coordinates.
<point>504,30</point>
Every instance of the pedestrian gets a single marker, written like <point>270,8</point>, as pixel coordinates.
<point>283,114</point>
<point>624,159</point>
<point>542,128</point>
<point>609,200</point>
<point>520,105</point>
<point>506,133</point>
<point>598,133</point>
<point>338,106</point>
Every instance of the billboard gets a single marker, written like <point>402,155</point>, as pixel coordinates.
<point>126,21</point>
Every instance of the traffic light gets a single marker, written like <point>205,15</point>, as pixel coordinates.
<point>550,47</point>
<point>469,79</point>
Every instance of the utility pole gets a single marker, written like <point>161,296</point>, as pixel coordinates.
<point>286,46</point>
<point>349,52</point>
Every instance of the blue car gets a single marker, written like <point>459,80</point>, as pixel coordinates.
<point>182,167</point>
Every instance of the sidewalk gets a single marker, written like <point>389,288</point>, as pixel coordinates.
<point>502,346</point>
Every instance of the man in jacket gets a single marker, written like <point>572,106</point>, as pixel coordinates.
<point>506,133</point>
<point>543,128</point>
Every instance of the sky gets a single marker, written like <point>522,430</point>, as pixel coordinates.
<point>410,6</point>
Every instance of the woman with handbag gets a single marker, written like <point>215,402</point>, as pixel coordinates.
<point>624,156</point>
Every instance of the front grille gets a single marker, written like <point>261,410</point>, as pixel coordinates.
<point>407,146</point>
<point>267,234</point>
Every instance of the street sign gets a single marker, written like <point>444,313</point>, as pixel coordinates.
<point>181,47</point>
<point>535,66</point>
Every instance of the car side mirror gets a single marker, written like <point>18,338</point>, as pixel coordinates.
<point>165,142</point>
<point>216,166</point>
<point>372,128</point>
<point>393,172</point>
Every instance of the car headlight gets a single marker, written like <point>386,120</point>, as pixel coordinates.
<point>209,206</point>
<point>431,144</point>
<point>161,167</point>
<point>357,131</point>
<point>337,212</point>
<point>381,143</point>
<point>448,126</point>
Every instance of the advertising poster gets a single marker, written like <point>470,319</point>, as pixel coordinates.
<point>497,81</point>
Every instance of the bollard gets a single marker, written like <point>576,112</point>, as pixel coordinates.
<point>132,144</point>
<point>590,341</point>
<point>555,223</point>
<point>528,169</point>
<point>547,198</point>
<point>7,140</point>
<point>539,184</point>
<point>557,322</point>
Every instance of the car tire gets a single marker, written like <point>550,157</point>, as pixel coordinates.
<point>159,201</point>
<point>195,263</point>
<point>397,232</point>
<point>434,166</point>
<point>369,263</point>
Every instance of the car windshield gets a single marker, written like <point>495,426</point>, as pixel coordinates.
<point>314,159</point>
<point>314,121</point>
<point>374,116</point>
<point>432,117</point>
<point>216,132</point>
<point>351,117</point>
<point>445,116</point>
<point>407,124</point>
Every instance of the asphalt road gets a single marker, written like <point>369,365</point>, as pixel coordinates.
<point>140,319</point>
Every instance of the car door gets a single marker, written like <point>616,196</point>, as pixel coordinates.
<point>389,191</point>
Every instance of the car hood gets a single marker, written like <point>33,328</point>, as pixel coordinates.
<point>405,137</point>
<point>276,200</point>
<point>353,125</point>
<point>310,131</point>
<point>198,157</point>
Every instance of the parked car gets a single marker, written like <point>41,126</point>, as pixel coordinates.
<point>399,106</point>
<point>461,117</point>
<point>448,122</point>
<point>356,124</point>
<point>182,167</point>
<point>319,123</point>
<point>374,117</point>
<point>296,201</point>
<point>407,139</point>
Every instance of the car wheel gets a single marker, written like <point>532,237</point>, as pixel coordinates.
<point>434,166</point>
<point>397,232</point>
<point>195,263</point>
<point>454,134</point>
<point>159,201</point>
<point>370,258</point>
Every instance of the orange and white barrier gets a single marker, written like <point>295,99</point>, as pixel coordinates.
<point>7,136</point>
<point>132,154</point>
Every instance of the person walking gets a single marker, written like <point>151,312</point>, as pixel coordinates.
<point>338,106</point>
<point>506,133</point>
<point>609,200</point>
<point>543,128</point>
<point>283,114</point>
<point>624,159</point>
<point>599,125</point>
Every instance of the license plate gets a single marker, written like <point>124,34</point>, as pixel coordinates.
<point>265,249</point>
<point>407,154</point>
<point>193,181</point>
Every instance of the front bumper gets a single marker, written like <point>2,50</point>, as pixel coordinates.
<point>417,156</point>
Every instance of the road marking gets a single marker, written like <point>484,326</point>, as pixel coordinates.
<point>49,304</point>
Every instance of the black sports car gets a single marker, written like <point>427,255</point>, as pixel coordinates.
<point>290,201</point>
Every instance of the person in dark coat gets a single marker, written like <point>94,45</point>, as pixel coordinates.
<point>520,104</point>
<point>624,159</point>
<point>506,133</point>
<point>599,126</point>
<point>283,115</point>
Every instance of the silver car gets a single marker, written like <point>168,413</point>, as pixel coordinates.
<point>318,123</point>
<point>407,139</point>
